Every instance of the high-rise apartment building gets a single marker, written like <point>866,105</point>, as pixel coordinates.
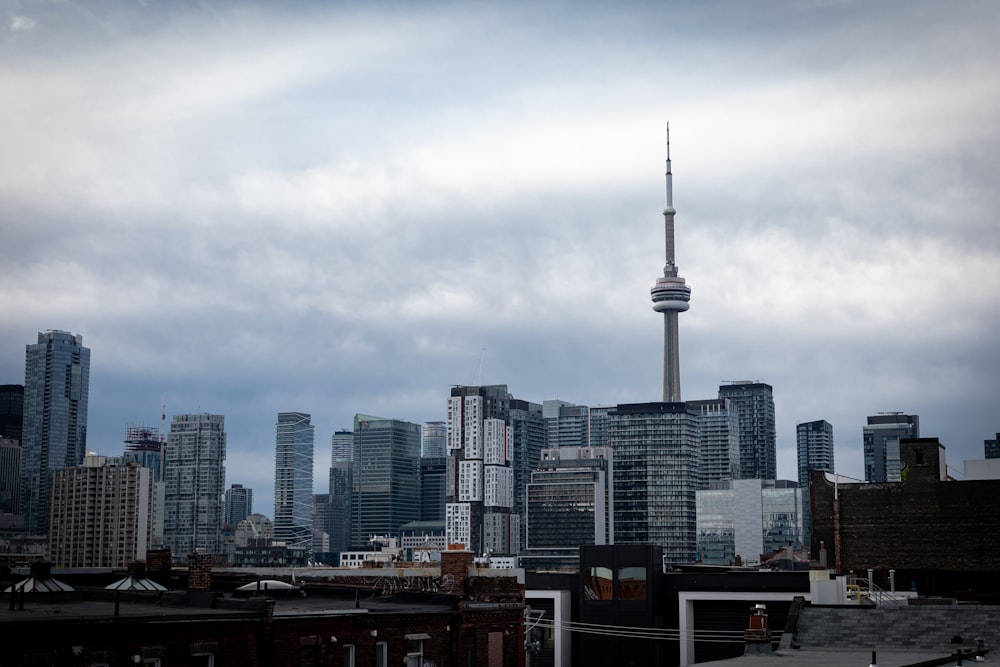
<point>719,447</point>
<point>570,502</point>
<point>566,424</point>
<point>815,449</point>
<point>339,525</point>
<point>238,505</point>
<point>321,523</point>
<point>293,479</point>
<point>435,440</point>
<point>386,477</point>
<point>656,463</point>
<point>748,518</point>
<point>991,448</point>
<point>194,479</point>
<point>54,428</point>
<point>881,436</point>
<point>101,513</point>
<point>528,439</point>
<point>754,405</point>
<point>480,512</point>
<point>11,411</point>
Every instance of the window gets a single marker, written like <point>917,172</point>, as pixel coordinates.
<point>348,655</point>
<point>415,649</point>
<point>381,654</point>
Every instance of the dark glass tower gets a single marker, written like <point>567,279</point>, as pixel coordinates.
<point>54,429</point>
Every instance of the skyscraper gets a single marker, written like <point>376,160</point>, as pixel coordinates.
<point>566,425</point>
<point>194,476</point>
<point>433,487</point>
<point>435,441</point>
<point>815,449</point>
<point>10,476</point>
<point>342,445</point>
<point>656,462</point>
<point>719,449</point>
<point>239,505</point>
<point>528,439</point>
<point>754,404</point>
<point>102,513</point>
<point>341,482</point>
<point>670,296</point>
<point>570,502</point>
<point>293,479</point>
<point>54,429</point>
<point>386,477</point>
<point>480,513</point>
<point>11,411</point>
<point>881,442</point>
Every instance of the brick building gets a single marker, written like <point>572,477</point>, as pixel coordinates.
<point>934,531</point>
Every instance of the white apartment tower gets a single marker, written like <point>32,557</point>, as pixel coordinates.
<point>101,513</point>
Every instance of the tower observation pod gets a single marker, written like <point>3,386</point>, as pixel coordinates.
<point>670,296</point>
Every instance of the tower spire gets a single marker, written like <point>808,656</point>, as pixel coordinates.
<point>670,296</point>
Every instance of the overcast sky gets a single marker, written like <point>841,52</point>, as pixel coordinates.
<point>254,207</point>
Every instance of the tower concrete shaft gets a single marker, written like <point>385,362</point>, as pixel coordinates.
<point>670,296</point>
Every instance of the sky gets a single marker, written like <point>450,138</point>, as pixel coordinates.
<point>247,208</point>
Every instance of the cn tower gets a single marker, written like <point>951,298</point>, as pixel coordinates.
<point>670,296</point>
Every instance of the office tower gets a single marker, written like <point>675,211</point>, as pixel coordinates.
<point>10,476</point>
<point>341,481</point>
<point>719,447</point>
<point>433,487</point>
<point>991,448</point>
<point>194,475</point>
<point>101,513</point>
<point>293,479</point>
<point>480,513</point>
<point>754,403</point>
<point>435,441</point>
<point>670,296</point>
<point>656,462</point>
<point>11,411</point>
<point>54,429</point>
<point>386,477</point>
<point>528,439</point>
<point>881,442</point>
<point>342,446</point>
<point>570,502</point>
<point>815,449</point>
<point>748,518</point>
<point>144,445</point>
<point>238,505</point>
<point>321,523</point>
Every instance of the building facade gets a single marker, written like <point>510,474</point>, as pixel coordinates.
<point>54,428</point>
<point>11,411</point>
<point>101,513</point>
<point>10,476</point>
<point>293,479</point>
<point>754,405</point>
<point>570,502</point>
<point>566,424</point>
<point>433,487</point>
<point>479,513</point>
<point>386,477</point>
<point>238,505</point>
<point>881,436</point>
<point>748,518</point>
<point>656,471</point>
<point>435,440</point>
<point>815,448</point>
<point>719,447</point>
<point>194,479</point>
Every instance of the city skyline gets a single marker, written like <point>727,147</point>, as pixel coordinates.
<point>195,191</point>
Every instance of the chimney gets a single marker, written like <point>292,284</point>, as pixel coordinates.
<point>199,572</point>
<point>455,568</point>
<point>757,635</point>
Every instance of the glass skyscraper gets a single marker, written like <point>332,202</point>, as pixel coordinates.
<point>656,463</point>
<point>293,479</point>
<point>54,429</point>
<point>815,448</point>
<point>386,477</point>
<point>754,403</point>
